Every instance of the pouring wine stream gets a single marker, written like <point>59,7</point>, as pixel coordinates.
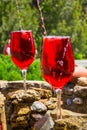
<point>58,91</point>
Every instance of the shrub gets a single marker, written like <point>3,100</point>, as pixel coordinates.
<point>34,72</point>
<point>78,56</point>
<point>9,71</point>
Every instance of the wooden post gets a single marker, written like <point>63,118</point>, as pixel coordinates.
<point>3,125</point>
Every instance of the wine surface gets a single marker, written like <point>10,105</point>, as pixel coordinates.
<point>22,48</point>
<point>57,60</point>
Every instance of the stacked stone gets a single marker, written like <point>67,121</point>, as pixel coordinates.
<point>34,109</point>
<point>75,95</point>
<point>25,109</point>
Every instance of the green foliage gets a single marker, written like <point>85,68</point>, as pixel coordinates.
<point>34,71</point>
<point>78,56</point>
<point>67,18</point>
<point>62,17</point>
<point>12,17</point>
<point>8,71</point>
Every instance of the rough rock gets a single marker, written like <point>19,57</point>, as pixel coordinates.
<point>20,114</point>
<point>37,106</point>
<point>78,100</point>
<point>75,95</point>
<point>45,123</point>
<point>80,91</point>
<point>82,81</point>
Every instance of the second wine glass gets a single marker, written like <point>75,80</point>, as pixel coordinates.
<point>22,50</point>
<point>57,63</point>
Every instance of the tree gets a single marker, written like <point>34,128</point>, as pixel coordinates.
<point>61,18</point>
<point>13,14</point>
<point>67,18</point>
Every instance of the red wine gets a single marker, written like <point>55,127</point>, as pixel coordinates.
<point>22,48</point>
<point>1,126</point>
<point>57,60</point>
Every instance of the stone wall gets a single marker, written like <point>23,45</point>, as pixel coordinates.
<point>75,95</point>
<point>35,109</point>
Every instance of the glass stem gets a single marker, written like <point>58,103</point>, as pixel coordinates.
<point>59,112</point>
<point>24,71</point>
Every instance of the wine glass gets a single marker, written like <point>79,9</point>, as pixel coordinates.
<point>22,50</point>
<point>57,64</point>
<point>6,50</point>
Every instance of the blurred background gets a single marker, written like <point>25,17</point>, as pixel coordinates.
<point>61,17</point>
